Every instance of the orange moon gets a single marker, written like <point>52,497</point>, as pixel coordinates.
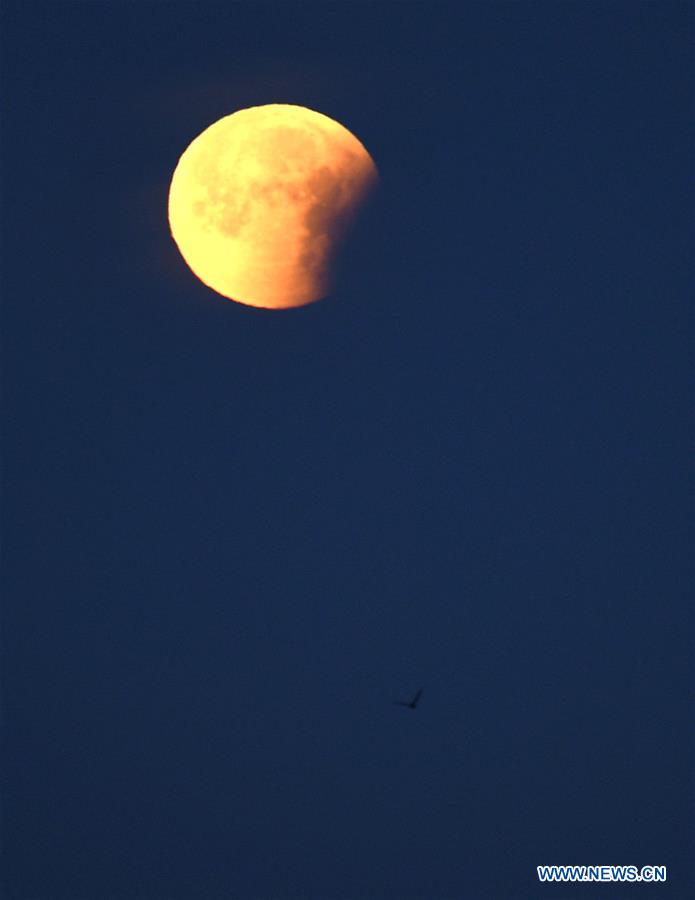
<point>261,200</point>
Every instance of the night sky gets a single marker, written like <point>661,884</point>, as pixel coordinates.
<point>233,537</point>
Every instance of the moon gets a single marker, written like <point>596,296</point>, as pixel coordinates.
<point>261,201</point>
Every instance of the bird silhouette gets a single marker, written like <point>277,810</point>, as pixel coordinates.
<point>413,703</point>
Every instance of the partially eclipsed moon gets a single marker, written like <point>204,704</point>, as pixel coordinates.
<point>260,201</point>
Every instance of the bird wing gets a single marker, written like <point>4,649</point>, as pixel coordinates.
<point>401,703</point>
<point>416,697</point>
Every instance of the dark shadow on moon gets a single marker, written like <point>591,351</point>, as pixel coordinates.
<point>338,205</point>
<point>361,253</point>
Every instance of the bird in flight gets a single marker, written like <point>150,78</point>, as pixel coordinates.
<point>413,703</point>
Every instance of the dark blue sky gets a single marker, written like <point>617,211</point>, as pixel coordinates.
<point>231,538</point>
